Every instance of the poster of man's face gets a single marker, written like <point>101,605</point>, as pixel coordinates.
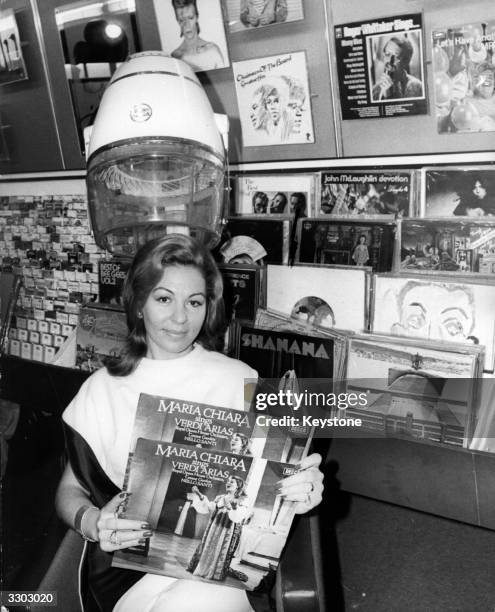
<point>12,66</point>
<point>193,31</point>
<point>395,64</point>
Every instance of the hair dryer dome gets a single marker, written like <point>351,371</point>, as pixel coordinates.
<point>156,156</point>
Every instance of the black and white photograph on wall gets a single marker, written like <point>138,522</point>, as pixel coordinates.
<point>467,191</point>
<point>347,244</point>
<point>464,77</point>
<point>274,102</point>
<point>381,67</point>
<point>193,31</point>
<point>95,39</point>
<point>447,246</point>
<point>253,14</point>
<point>283,194</point>
<point>12,65</point>
<point>365,193</point>
<point>256,240</point>
<point>432,308</point>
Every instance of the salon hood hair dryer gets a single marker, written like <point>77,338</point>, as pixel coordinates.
<point>156,156</point>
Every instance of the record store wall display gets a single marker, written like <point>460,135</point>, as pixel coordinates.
<point>435,308</point>
<point>447,246</point>
<point>459,191</point>
<point>323,296</point>
<point>416,389</point>
<point>254,240</point>
<point>351,193</point>
<point>347,243</point>
<point>274,194</point>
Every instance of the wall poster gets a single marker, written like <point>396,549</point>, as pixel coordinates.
<point>463,77</point>
<point>274,101</point>
<point>12,66</point>
<point>248,14</point>
<point>194,33</point>
<point>380,67</point>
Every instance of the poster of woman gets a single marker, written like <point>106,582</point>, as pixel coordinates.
<point>274,100</point>
<point>193,31</point>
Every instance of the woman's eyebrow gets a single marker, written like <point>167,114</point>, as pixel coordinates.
<point>456,309</point>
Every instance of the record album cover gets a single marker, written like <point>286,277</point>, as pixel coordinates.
<point>351,244</point>
<point>365,193</point>
<point>436,309</point>
<point>416,389</point>
<point>216,516</point>
<point>323,296</point>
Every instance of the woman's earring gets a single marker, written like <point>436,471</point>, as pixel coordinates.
<point>140,314</point>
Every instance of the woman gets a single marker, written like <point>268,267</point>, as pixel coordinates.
<point>219,543</point>
<point>198,53</point>
<point>477,202</point>
<point>361,254</point>
<point>173,301</point>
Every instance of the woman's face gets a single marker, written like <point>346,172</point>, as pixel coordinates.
<point>174,312</point>
<point>273,107</point>
<point>231,486</point>
<point>256,112</point>
<point>188,21</point>
<point>236,444</point>
<point>478,190</point>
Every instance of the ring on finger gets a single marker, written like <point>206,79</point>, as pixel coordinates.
<point>114,538</point>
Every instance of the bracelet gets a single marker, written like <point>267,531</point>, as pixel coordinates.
<point>78,521</point>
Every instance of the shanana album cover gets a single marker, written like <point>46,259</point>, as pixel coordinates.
<point>216,516</point>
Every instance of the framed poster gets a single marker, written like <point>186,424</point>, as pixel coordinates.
<point>274,194</point>
<point>381,67</point>
<point>464,77</point>
<point>12,65</point>
<point>467,191</point>
<point>366,193</point>
<point>274,101</point>
<point>253,14</point>
<point>194,33</point>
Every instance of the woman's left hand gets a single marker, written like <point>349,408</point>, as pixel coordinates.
<point>305,487</point>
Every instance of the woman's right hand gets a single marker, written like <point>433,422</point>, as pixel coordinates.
<point>114,533</point>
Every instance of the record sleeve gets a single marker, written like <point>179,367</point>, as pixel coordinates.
<point>254,240</point>
<point>111,277</point>
<point>323,296</point>
<point>206,426</point>
<point>216,516</point>
<point>366,193</point>
<point>344,243</point>
<point>436,308</point>
<point>458,191</point>
<point>415,389</point>
<point>462,247</point>
<point>274,194</point>
<point>243,290</point>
